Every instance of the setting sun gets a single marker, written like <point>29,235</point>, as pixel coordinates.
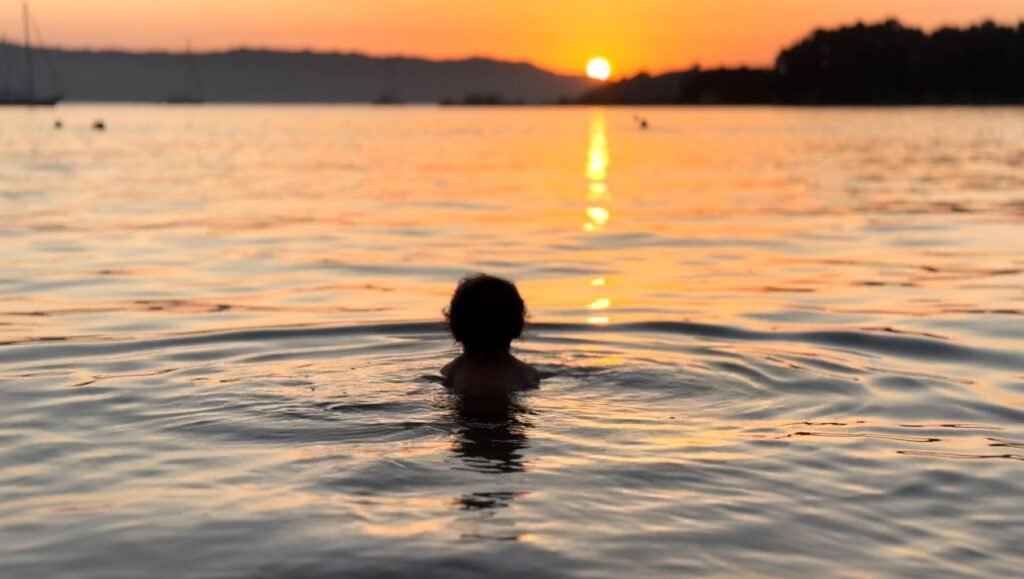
<point>599,68</point>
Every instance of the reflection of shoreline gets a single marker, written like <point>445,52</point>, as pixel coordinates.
<point>598,214</point>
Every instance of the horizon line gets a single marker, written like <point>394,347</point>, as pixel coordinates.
<point>357,53</point>
<point>478,56</point>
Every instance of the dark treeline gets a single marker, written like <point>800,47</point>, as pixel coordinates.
<point>878,64</point>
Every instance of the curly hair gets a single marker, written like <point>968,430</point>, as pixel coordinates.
<point>486,313</point>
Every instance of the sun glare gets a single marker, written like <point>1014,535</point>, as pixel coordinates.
<point>599,68</point>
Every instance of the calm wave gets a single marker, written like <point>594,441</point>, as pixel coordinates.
<point>779,342</point>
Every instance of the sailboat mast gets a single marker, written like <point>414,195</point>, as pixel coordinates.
<point>31,81</point>
<point>193,80</point>
<point>195,76</point>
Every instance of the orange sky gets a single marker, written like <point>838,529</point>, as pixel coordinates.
<point>655,35</point>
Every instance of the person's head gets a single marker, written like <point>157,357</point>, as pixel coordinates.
<point>485,315</point>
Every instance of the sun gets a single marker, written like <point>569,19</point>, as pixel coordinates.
<point>599,68</point>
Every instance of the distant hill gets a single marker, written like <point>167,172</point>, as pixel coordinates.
<point>880,64</point>
<point>641,89</point>
<point>271,76</point>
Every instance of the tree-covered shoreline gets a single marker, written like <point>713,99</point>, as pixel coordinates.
<point>879,64</point>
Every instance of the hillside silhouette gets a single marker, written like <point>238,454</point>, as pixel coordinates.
<point>273,76</point>
<point>884,64</point>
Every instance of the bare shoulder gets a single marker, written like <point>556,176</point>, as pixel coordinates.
<point>534,376</point>
<point>448,371</point>
<point>531,373</point>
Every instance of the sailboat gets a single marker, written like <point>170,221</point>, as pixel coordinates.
<point>193,83</point>
<point>25,94</point>
<point>393,95</point>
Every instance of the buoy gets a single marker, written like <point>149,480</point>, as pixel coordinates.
<point>99,126</point>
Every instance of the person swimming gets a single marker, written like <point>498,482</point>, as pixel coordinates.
<point>485,315</point>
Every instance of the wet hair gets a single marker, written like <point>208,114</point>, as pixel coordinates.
<point>486,313</point>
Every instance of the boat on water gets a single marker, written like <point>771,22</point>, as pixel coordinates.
<point>21,90</point>
<point>193,93</point>
<point>391,96</point>
<point>389,99</point>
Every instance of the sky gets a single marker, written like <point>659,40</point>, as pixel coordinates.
<point>560,35</point>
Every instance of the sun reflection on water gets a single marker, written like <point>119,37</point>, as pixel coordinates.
<point>598,196</point>
<point>597,153</point>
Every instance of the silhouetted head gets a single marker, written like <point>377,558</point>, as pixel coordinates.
<point>485,315</point>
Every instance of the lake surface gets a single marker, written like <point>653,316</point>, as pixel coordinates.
<point>780,342</point>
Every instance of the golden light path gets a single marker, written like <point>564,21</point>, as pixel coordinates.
<point>598,215</point>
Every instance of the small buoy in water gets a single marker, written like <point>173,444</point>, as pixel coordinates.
<point>99,126</point>
<point>58,124</point>
<point>643,123</point>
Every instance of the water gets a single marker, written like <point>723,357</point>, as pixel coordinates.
<point>779,342</point>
